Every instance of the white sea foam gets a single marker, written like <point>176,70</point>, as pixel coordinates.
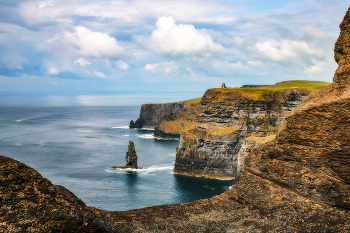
<point>167,139</point>
<point>146,129</point>
<point>146,171</point>
<point>121,127</point>
<point>146,136</point>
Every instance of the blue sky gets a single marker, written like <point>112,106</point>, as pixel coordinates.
<point>159,47</point>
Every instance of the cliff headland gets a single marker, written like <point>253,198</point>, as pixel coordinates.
<point>297,182</point>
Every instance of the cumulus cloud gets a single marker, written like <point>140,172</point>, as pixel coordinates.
<point>53,71</point>
<point>285,49</point>
<point>167,67</point>
<point>180,40</point>
<point>82,62</point>
<point>81,41</point>
<point>122,65</point>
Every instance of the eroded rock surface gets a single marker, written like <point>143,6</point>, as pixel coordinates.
<point>151,115</point>
<point>213,147</point>
<point>30,203</point>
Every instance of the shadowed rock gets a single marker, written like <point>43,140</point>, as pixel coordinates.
<point>31,203</point>
<point>131,157</point>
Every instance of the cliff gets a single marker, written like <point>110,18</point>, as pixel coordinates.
<point>298,182</point>
<point>151,115</point>
<point>226,117</point>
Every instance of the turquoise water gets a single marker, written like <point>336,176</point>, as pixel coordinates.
<point>77,146</point>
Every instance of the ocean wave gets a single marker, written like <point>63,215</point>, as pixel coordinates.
<point>146,171</point>
<point>120,127</point>
<point>167,139</point>
<point>145,129</point>
<point>146,136</point>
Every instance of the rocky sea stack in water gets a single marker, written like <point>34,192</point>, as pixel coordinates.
<point>131,157</point>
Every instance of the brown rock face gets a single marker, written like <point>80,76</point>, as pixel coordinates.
<point>131,156</point>
<point>311,156</point>
<point>30,203</point>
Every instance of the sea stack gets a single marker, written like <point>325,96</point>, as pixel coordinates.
<point>131,156</point>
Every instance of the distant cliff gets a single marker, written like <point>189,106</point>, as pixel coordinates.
<point>151,115</point>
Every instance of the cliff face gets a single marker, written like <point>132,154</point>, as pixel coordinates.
<point>151,115</point>
<point>298,182</point>
<point>226,117</point>
<point>30,203</point>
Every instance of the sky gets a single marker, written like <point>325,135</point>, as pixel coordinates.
<point>91,50</point>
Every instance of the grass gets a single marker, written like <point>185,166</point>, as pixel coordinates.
<point>194,101</point>
<point>221,131</point>
<point>257,93</point>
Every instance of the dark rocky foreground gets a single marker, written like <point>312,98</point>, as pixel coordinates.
<point>31,203</point>
<point>299,182</point>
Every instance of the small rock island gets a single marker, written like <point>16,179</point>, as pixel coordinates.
<point>131,158</point>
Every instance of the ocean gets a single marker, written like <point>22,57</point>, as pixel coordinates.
<point>77,146</point>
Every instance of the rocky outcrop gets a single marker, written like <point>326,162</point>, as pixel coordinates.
<point>213,148</point>
<point>151,115</point>
<point>30,203</point>
<point>131,158</point>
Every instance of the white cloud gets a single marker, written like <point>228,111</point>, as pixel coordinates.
<point>226,65</point>
<point>167,67</point>
<point>180,40</point>
<point>151,67</point>
<point>54,83</point>
<point>53,71</point>
<point>192,75</point>
<point>82,62</point>
<point>285,49</point>
<point>12,60</point>
<point>99,74</point>
<point>122,65</point>
<point>81,41</point>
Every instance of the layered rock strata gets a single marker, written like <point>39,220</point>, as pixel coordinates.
<point>151,115</point>
<point>213,147</point>
<point>131,158</point>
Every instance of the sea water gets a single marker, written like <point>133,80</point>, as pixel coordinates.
<point>77,146</point>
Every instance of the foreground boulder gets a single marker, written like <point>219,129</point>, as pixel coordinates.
<point>31,203</point>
